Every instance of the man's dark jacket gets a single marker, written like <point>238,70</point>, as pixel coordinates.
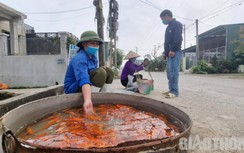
<point>173,37</point>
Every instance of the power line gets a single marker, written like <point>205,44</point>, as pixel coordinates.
<point>191,29</point>
<point>180,4</point>
<point>57,20</point>
<point>148,35</point>
<point>213,10</point>
<point>206,24</point>
<point>149,4</point>
<point>219,13</point>
<point>157,8</point>
<point>190,25</point>
<point>213,14</point>
<point>66,11</point>
<point>184,18</point>
<point>223,9</point>
<point>58,12</point>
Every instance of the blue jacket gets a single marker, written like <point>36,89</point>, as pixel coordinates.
<point>78,71</point>
<point>173,37</point>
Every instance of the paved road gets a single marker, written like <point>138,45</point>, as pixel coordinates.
<point>215,103</point>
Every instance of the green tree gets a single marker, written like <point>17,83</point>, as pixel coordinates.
<point>120,56</point>
<point>155,64</point>
<point>71,40</point>
<point>203,68</point>
<point>238,53</point>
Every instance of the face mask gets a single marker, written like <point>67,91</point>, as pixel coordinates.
<point>133,60</point>
<point>165,22</point>
<point>92,50</point>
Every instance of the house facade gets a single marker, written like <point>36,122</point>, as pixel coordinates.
<point>217,42</point>
<point>12,24</point>
<point>30,59</point>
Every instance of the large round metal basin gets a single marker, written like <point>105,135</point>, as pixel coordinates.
<point>26,114</point>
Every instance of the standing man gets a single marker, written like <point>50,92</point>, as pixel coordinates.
<point>172,52</point>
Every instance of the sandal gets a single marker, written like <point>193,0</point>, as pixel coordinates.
<point>170,95</point>
<point>165,93</point>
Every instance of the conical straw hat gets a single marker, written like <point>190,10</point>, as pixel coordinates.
<point>131,54</point>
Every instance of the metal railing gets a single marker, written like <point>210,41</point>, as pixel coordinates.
<point>209,54</point>
<point>43,44</point>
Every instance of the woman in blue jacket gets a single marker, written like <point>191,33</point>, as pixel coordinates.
<point>82,72</point>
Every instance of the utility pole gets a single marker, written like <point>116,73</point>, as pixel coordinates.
<point>113,27</point>
<point>184,32</point>
<point>115,54</point>
<point>100,22</point>
<point>197,42</point>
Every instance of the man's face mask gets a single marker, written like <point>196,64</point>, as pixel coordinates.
<point>165,22</point>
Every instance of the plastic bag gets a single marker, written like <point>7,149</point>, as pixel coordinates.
<point>130,81</point>
<point>131,86</point>
<point>145,86</point>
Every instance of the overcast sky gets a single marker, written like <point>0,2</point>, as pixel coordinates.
<point>139,23</point>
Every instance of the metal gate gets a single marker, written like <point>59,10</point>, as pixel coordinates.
<point>43,44</point>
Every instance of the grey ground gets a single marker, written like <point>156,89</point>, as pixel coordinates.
<point>215,103</point>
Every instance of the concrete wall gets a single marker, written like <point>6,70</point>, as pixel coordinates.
<point>241,68</point>
<point>4,26</point>
<point>34,70</point>
<point>3,46</point>
<point>16,29</point>
<point>11,103</point>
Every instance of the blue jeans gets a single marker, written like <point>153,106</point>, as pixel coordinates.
<point>173,68</point>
